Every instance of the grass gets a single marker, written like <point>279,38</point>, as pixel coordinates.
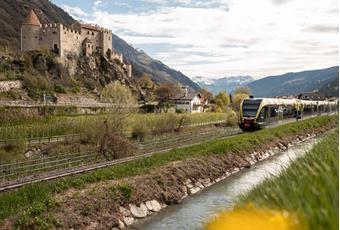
<point>14,201</point>
<point>55,126</point>
<point>309,188</point>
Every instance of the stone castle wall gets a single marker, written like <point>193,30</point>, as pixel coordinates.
<point>64,40</point>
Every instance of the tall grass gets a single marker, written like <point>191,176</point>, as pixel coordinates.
<point>308,188</point>
<point>56,126</point>
<point>13,201</point>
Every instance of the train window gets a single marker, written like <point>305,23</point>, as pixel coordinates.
<point>273,112</point>
<point>250,107</point>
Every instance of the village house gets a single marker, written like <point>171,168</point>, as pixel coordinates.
<point>78,39</point>
<point>189,102</point>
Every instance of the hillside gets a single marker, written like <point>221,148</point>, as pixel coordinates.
<point>294,83</point>
<point>226,83</point>
<point>13,12</point>
<point>143,63</point>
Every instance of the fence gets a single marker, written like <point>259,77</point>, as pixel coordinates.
<point>30,169</point>
<point>6,133</point>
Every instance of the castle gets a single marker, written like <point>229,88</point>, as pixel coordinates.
<point>78,39</point>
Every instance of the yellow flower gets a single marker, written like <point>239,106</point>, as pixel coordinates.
<point>251,218</point>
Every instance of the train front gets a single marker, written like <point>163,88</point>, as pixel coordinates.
<point>248,114</point>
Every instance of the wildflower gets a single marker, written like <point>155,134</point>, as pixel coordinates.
<point>251,218</point>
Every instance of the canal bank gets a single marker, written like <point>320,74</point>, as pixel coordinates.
<point>196,210</point>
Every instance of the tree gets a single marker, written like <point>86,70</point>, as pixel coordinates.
<point>240,94</point>
<point>165,93</point>
<point>123,102</point>
<point>242,90</point>
<point>145,82</point>
<point>237,99</point>
<point>207,96</point>
<point>222,101</point>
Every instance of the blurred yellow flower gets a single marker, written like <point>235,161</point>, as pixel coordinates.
<point>251,218</point>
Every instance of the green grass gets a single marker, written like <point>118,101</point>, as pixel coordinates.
<point>308,188</point>
<point>17,200</point>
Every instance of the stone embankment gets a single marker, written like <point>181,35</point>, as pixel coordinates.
<point>130,214</point>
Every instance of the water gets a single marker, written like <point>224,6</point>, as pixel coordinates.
<point>197,209</point>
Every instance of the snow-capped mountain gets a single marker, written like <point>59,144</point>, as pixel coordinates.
<point>226,83</point>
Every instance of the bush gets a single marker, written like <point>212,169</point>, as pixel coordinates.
<point>121,192</point>
<point>36,85</point>
<point>114,146</point>
<point>179,110</point>
<point>139,132</point>
<point>59,89</point>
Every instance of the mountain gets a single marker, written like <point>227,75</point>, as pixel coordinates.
<point>226,83</point>
<point>143,63</point>
<point>295,83</point>
<point>13,12</point>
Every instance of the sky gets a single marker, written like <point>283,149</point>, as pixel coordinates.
<point>218,38</point>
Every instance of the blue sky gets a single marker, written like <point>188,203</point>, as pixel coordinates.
<point>217,38</point>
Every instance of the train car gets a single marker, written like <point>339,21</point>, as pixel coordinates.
<point>256,113</point>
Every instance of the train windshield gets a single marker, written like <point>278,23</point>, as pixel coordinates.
<point>250,107</point>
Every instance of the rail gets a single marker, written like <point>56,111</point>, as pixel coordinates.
<point>34,104</point>
<point>29,171</point>
<point>75,136</point>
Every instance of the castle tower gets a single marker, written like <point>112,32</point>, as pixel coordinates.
<point>30,32</point>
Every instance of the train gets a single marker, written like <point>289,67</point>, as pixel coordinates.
<point>258,113</point>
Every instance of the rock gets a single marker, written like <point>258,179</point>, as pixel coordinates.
<point>121,225</point>
<point>199,184</point>
<point>206,182</point>
<point>188,181</point>
<point>128,220</point>
<point>164,205</point>
<point>124,211</point>
<point>139,212</point>
<point>184,189</point>
<point>153,205</point>
<point>194,190</point>
<point>29,154</point>
<point>189,186</point>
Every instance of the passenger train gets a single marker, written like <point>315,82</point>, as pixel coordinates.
<point>257,113</point>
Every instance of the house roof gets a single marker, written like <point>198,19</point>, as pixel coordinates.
<point>31,19</point>
<point>91,27</point>
<point>186,96</point>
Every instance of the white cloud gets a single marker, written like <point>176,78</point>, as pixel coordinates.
<point>226,37</point>
<point>75,12</point>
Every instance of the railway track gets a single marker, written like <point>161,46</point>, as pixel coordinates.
<point>82,169</point>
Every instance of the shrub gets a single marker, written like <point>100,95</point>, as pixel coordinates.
<point>59,88</point>
<point>121,192</point>
<point>114,146</point>
<point>139,131</point>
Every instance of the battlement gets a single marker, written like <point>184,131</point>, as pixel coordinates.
<point>64,40</point>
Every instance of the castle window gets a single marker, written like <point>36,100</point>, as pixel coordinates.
<point>109,38</point>
<point>36,37</point>
<point>88,32</point>
<point>54,32</point>
<point>92,33</point>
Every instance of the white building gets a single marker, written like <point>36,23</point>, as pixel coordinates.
<point>189,102</point>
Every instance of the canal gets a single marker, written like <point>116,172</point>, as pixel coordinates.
<point>195,210</point>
